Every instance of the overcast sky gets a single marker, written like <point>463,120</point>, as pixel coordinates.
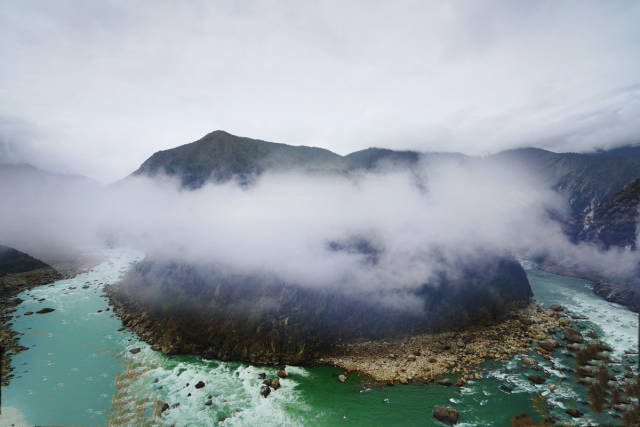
<point>97,87</point>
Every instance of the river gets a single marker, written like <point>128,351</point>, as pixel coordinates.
<point>78,370</point>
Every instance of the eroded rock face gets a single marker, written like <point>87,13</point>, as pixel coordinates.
<point>185,309</point>
<point>613,222</point>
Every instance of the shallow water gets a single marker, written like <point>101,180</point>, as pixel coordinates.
<point>78,370</point>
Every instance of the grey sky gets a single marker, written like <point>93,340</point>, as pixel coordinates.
<point>97,87</point>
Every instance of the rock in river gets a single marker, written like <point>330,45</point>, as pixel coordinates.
<point>573,336</point>
<point>45,310</point>
<point>275,383</point>
<point>135,350</point>
<point>200,384</point>
<point>282,373</point>
<point>573,412</point>
<point>536,379</point>
<point>445,381</point>
<point>265,390</point>
<point>445,414</point>
<point>342,378</point>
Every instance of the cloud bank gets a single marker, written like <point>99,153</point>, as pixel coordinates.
<point>385,231</point>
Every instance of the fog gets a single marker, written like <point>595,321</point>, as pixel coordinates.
<point>305,229</point>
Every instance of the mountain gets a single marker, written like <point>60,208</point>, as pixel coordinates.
<point>21,178</point>
<point>20,271</point>
<point>585,179</point>
<point>613,222</point>
<point>14,261</point>
<point>220,156</point>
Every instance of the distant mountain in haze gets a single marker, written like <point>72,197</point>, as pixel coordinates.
<point>585,179</point>
<point>16,177</point>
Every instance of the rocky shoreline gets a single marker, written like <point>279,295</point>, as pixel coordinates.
<point>625,294</point>
<point>422,357</point>
<point>13,284</point>
<point>426,357</point>
<point>10,286</point>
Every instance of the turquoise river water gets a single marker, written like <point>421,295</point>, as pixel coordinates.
<point>78,371</point>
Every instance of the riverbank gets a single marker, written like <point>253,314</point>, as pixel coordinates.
<point>425,357</point>
<point>623,293</point>
<point>15,283</point>
<point>10,286</point>
<point>68,375</point>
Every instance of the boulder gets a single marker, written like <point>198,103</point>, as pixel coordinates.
<point>262,375</point>
<point>460,382</point>
<point>536,379</point>
<point>135,350</point>
<point>529,361</point>
<point>342,378</point>
<point>548,344</point>
<point>265,390</point>
<point>445,414</point>
<point>275,383</point>
<point>556,307</point>
<point>200,384</point>
<point>444,381</point>
<point>45,310</point>
<point>573,412</point>
<point>28,313</point>
<point>282,373</point>
<point>161,406</point>
<point>573,336</point>
<point>523,420</point>
<point>506,388</point>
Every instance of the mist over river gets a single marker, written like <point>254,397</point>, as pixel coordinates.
<point>79,370</point>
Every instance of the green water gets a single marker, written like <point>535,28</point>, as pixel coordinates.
<point>78,371</point>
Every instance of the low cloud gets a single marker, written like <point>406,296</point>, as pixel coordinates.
<point>386,231</point>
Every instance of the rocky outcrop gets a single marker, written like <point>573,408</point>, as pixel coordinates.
<point>627,294</point>
<point>614,222</point>
<point>188,309</point>
<point>445,414</point>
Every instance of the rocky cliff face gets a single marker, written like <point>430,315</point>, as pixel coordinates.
<point>188,309</point>
<point>585,179</point>
<point>614,222</point>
